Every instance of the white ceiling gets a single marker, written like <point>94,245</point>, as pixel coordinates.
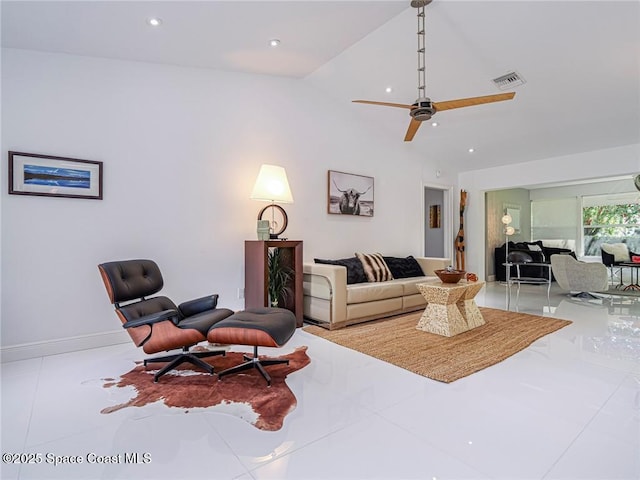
<point>581,61</point>
<point>230,35</point>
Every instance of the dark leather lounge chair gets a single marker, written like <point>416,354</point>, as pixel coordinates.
<point>156,324</point>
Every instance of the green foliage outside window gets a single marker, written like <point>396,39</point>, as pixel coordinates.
<point>611,224</point>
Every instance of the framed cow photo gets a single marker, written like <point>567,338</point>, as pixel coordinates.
<point>350,194</point>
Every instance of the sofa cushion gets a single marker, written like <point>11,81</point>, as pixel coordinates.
<point>409,285</point>
<point>355,271</point>
<point>375,267</point>
<point>371,292</point>
<point>620,251</point>
<point>524,245</point>
<point>404,267</point>
<point>536,248</point>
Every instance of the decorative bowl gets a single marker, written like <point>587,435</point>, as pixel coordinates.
<point>450,276</point>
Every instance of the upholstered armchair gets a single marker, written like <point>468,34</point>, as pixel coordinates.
<point>579,278</point>
<point>156,324</point>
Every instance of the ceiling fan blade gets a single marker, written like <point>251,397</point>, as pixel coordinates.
<point>411,131</point>
<point>469,102</point>
<point>384,104</point>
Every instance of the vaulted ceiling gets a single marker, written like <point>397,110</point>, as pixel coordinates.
<point>580,61</point>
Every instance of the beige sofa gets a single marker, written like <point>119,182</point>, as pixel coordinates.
<point>330,302</point>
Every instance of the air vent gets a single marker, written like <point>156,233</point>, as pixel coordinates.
<point>510,80</point>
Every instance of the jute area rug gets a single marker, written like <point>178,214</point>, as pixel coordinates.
<point>446,359</point>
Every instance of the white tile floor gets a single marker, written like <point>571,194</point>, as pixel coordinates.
<point>568,407</point>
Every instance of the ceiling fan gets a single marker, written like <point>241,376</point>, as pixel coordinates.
<point>423,108</point>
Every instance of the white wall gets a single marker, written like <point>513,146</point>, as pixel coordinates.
<point>612,162</point>
<point>181,150</point>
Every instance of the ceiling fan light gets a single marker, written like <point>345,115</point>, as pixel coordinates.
<point>423,109</point>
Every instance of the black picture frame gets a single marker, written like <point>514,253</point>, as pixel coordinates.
<point>53,176</point>
<point>350,194</point>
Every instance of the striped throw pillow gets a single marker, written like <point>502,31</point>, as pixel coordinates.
<point>375,268</point>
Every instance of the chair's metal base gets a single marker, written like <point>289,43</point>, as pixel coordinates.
<point>186,356</point>
<point>583,295</point>
<point>254,362</point>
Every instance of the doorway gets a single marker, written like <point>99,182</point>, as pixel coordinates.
<point>436,222</point>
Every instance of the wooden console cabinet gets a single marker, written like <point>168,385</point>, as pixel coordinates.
<point>256,283</point>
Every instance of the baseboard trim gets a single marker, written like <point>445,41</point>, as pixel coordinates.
<point>25,351</point>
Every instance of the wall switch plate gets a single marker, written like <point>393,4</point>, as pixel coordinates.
<point>241,293</point>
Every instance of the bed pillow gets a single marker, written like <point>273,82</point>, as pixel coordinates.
<point>404,267</point>
<point>375,267</point>
<point>355,271</point>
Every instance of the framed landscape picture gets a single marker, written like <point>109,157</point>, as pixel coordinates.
<point>350,194</point>
<point>46,175</point>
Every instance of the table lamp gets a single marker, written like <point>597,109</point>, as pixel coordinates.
<point>272,186</point>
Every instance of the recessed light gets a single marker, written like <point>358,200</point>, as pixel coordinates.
<point>434,124</point>
<point>274,42</point>
<point>154,21</point>
<point>388,89</point>
<point>471,150</point>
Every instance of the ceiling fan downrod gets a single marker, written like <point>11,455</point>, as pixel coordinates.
<point>424,109</point>
<point>421,55</point>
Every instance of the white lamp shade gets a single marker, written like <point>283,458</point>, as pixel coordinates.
<point>272,185</point>
<point>510,230</point>
<point>506,219</point>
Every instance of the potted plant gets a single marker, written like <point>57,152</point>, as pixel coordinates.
<point>278,276</point>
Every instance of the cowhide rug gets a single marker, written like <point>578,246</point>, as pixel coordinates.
<point>245,394</point>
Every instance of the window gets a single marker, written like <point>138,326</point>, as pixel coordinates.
<point>556,219</point>
<point>610,219</point>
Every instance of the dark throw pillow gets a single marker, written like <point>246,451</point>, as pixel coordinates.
<point>404,267</point>
<point>534,247</point>
<point>355,271</point>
